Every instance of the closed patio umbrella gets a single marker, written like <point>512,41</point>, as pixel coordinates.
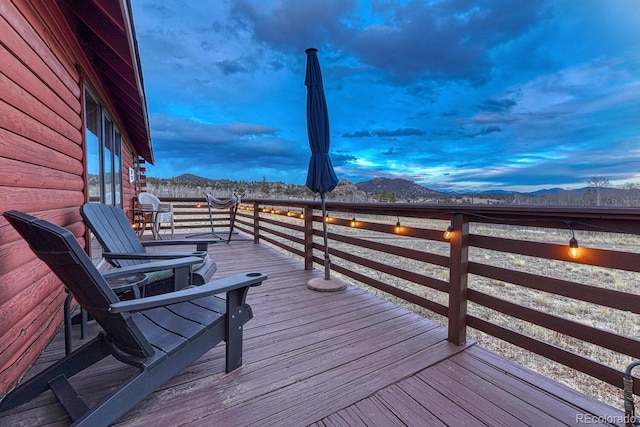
<point>321,178</point>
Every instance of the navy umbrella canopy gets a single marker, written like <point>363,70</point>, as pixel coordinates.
<point>321,177</point>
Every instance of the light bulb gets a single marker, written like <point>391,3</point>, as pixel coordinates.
<point>398,227</point>
<point>447,234</point>
<point>574,249</point>
<point>353,222</point>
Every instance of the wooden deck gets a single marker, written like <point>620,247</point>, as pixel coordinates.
<point>330,359</point>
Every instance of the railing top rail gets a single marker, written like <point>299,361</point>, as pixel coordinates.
<point>608,219</point>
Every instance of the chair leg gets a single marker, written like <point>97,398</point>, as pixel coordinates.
<point>67,323</point>
<point>85,356</point>
<point>232,221</point>
<point>234,328</point>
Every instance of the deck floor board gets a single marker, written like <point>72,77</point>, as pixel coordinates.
<point>327,359</point>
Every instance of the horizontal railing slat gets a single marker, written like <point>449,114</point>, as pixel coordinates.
<point>557,354</point>
<point>606,339</point>
<point>592,294</point>
<point>440,260</point>
<point>392,290</point>
<point>409,276</point>
<point>594,256</point>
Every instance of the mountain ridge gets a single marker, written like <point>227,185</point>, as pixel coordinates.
<point>392,190</point>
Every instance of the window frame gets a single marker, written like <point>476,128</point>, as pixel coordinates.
<point>109,154</point>
<point>102,156</point>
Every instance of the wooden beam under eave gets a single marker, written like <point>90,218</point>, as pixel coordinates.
<point>104,27</point>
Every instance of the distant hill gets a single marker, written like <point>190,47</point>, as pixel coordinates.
<point>391,190</point>
<point>495,192</point>
<point>578,191</point>
<point>402,188</point>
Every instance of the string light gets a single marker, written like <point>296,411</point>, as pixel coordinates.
<point>301,214</point>
<point>398,227</point>
<point>447,234</point>
<point>353,222</point>
<point>574,249</point>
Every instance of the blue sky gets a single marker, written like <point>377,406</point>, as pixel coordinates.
<point>460,94</point>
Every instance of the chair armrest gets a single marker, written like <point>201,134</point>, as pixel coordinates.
<point>201,244</point>
<point>212,288</point>
<point>152,266</point>
<point>155,255</point>
<point>146,207</point>
<point>165,207</point>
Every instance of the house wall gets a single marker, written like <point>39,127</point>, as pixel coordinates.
<point>41,171</point>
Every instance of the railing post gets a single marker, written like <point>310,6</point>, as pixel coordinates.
<point>308,237</point>
<point>458,272</point>
<point>256,222</point>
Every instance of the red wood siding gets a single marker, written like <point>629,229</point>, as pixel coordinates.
<point>41,169</point>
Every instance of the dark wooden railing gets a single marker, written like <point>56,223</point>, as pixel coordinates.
<point>505,271</point>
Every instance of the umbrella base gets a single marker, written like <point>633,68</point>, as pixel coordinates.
<point>331,285</point>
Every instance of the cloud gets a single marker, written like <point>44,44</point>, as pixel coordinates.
<point>387,133</point>
<point>295,25</point>
<point>392,151</point>
<point>489,129</point>
<point>497,105</point>
<point>233,66</point>
<point>357,134</point>
<point>248,129</point>
<point>398,132</point>
<point>442,40</point>
<point>494,118</point>
<point>166,127</point>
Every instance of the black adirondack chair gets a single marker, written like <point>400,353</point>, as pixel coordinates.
<point>122,247</point>
<point>159,335</point>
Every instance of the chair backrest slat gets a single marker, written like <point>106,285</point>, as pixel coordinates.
<point>111,227</point>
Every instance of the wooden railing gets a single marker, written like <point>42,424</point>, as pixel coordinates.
<point>505,271</point>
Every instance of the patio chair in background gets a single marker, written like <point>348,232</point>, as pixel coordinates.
<point>230,204</point>
<point>144,333</point>
<point>122,247</point>
<point>160,212</point>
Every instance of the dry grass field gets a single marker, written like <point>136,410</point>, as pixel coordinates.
<point>623,323</point>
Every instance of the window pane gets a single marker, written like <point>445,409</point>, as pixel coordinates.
<point>92,125</point>
<point>117,169</point>
<point>93,119</point>
<point>109,195</point>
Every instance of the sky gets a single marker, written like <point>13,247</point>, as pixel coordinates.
<point>452,94</point>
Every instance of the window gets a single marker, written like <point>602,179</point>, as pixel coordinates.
<point>104,155</point>
<point>103,161</point>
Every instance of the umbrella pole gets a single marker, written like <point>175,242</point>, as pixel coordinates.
<point>327,260</point>
<point>326,283</point>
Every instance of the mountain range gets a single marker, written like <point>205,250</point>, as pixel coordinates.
<point>388,189</point>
